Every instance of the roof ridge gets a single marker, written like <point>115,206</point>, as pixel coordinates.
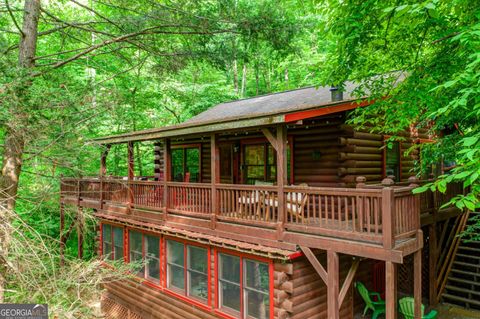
<point>268,94</point>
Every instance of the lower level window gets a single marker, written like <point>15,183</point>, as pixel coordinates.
<point>187,269</point>
<point>244,282</point>
<point>112,242</point>
<point>135,245</point>
<point>152,257</point>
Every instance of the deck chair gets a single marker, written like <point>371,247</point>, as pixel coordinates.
<point>296,203</point>
<point>407,309</point>
<point>377,307</point>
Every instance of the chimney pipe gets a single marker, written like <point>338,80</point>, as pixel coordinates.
<point>336,93</point>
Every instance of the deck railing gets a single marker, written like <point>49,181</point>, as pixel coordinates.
<point>379,215</point>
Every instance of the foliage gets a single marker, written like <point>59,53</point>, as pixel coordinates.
<point>430,51</point>
<point>106,67</point>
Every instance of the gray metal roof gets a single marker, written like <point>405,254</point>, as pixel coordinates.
<point>276,103</point>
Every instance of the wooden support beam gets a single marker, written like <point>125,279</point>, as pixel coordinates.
<point>315,263</point>
<point>103,172</point>
<point>417,283</point>
<point>131,174</point>
<point>166,175</point>
<point>333,307</point>
<point>388,219</point>
<point>281,177</point>
<point>80,229</point>
<point>270,137</point>
<point>215,176</point>
<point>432,264</point>
<point>348,281</point>
<point>62,235</point>
<point>390,290</point>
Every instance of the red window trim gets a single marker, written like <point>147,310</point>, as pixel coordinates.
<point>242,256</point>
<point>184,296</point>
<point>162,284</point>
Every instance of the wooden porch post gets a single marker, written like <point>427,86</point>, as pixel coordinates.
<point>215,176</point>
<point>432,263</point>
<point>281,143</point>
<point>131,163</point>
<point>390,290</point>
<point>62,235</point>
<point>103,172</point>
<point>417,282</point>
<point>80,229</point>
<point>388,217</point>
<point>166,175</point>
<point>333,307</point>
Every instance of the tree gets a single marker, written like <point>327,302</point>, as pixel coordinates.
<point>435,45</point>
<point>68,52</point>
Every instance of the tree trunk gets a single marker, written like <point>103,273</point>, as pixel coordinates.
<point>15,137</point>
<point>235,76</point>
<point>244,80</point>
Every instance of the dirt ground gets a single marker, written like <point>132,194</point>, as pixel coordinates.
<point>444,312</point>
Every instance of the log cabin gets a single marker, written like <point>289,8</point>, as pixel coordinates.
<point>268,207</point>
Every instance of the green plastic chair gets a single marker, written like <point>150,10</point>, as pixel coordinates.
<point>378,307</point>
<point>407,309</point>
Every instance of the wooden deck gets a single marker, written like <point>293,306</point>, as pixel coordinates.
<point>360,221</point>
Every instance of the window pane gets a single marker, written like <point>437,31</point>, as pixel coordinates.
<point>256,275</point>
<point>230,268</point>
<point>135,241</point>
<point>152,256</point>
<point>230,295</point>
<point>175,253</point>
<point>176,267</point>
<point>392,160</point>
<point>135,245</point>
<point>197,259</point>
<point>198,285</point>
<point>107,240</point>
<point>255,154</point>
<point>177,164</point>
<point>257,304</point>
<point>176,276</point>
<point>118,242</point>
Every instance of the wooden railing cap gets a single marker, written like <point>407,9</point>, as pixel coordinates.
<point>388,181</point>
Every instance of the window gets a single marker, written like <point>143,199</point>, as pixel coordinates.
<point>136,250</point>
<point>152,257</point>
<point>256,289</point>
<point>145,251</point>
<point>107,241</point>
<point>392,160</point>
<point>197,270</point>
<point>112,242</point>
<point>175,265</point>
<point>117,243</point>
<point>229,283</point>
<point>247,285</point>
<point>259,163</point>
<point>186,164</point>
<point>191,261</point>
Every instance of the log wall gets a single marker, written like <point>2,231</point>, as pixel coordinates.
<point>308,297</point>
<point>316,149</point>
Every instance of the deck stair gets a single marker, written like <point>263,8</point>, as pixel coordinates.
<point>463,283</point>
